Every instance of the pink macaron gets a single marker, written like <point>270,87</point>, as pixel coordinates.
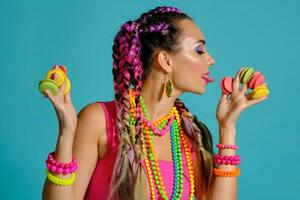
<point>256,80</point>
<point>226,85</point>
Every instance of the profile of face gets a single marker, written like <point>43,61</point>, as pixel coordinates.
<point>188,66</point>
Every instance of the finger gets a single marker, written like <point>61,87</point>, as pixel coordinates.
<point>256,101</point>
<point>62,88</point>
<point>224,97</point>
<point>54,66</point>
<point>49,95</point>
<point>244,88</point>
<point>68,97</point>
<point>236,81</point>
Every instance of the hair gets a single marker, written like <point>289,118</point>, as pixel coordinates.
<point>133,51</point>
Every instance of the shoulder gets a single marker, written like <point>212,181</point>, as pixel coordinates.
<point>92,115</point>
<point>92,118</point>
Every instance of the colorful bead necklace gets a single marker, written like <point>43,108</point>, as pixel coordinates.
<point>172,122</point>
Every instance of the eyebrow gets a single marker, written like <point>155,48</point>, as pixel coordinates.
<point>203,41</point>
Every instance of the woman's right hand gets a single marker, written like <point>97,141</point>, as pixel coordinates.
<point>65,111</point>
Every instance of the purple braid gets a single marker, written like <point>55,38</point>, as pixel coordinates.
<point>126,69</point>
<point>158,10</point>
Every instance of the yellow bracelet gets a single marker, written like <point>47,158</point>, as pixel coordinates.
<point>233,173</point>
<point>60,181</point>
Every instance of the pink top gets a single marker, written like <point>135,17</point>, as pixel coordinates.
<point>98,188</point>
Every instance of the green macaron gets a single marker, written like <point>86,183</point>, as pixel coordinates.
<point>48,84</point>
<point>246,74</point>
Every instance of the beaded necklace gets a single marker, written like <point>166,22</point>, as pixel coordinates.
<point>172,122</point>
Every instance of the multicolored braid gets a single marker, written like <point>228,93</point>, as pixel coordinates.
<point>202,141</point>
<point>133,48</point>
<point>126,69</point>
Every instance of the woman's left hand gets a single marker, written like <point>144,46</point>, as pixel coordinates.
<point>231,106</point>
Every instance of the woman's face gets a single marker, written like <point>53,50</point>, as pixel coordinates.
<point>192,61</point>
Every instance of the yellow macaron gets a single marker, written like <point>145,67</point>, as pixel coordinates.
<point>68,86</point>
<point>58,75</point>
<point>260,91</point>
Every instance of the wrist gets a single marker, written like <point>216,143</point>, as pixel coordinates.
<point>227,134</point>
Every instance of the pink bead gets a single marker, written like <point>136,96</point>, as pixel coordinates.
<point>53,168</point>
<point>52,162</point>
<point>48,165</point>
<point>66,171</point>
<point>59,170</point>
<point>62,165</point>
<point>73,169</point>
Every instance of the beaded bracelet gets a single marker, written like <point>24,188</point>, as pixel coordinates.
<point>227,160</point>
<point>227,146</point>
<point>61,168</point>
<point>60,181</point>
<point>234,173</point>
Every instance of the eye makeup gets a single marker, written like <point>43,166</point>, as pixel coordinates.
<point>199,49</point>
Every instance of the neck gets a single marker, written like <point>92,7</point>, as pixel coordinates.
<point>157,102</point>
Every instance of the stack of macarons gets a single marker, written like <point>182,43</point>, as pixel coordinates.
<point>254,80</point>
<point>54,79</point>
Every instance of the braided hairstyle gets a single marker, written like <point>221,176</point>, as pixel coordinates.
<point>133,51</point>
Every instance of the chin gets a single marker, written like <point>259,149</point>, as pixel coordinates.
<point>200,90</point>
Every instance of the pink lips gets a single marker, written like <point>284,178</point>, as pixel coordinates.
<point>207,78</point>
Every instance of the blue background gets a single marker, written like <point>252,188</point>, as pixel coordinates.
<point>35,35</point>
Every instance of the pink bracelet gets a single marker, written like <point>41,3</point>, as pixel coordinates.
<point>61,168</point>
<point>227,160</point>
<point>227,146</point>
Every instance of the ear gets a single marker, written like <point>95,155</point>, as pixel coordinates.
<point>165,61</point>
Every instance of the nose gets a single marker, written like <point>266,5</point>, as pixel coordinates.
<point>211,60</point>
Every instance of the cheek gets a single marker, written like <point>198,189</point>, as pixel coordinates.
<point>189,70</point>
<point>195,66</point>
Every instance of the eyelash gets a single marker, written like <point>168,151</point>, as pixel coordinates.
<point>199,51</point>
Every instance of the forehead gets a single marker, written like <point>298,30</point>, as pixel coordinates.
<point>191,33</point>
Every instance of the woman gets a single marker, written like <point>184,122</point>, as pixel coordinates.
<point>146,144</point>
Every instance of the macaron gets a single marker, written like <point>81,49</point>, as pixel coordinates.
<point>58,75</point>
<point>48,84</point>
<point>246,74</point>
<point>256,80</point>
<point>63,68</point>
<point>226,85</point>
<point>68,86</point>
<point>259,92</point>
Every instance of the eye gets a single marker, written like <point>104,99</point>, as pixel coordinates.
<point>199,50</point>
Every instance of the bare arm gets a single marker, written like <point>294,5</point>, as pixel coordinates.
<point>84,145</point>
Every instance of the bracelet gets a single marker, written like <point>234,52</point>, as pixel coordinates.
<point>61,168</point>
<point>227,160</point>
<point>60,181</point>
<point>234,173</point>
<point>227,146</point>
